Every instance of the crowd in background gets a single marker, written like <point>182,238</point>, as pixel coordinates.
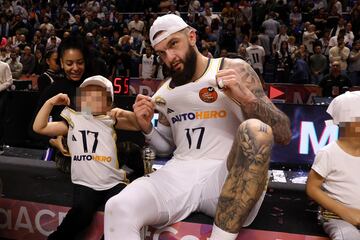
<point>286,41</point>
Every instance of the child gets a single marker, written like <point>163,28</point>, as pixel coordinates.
<point>91,139</point>
<point>333,181</point>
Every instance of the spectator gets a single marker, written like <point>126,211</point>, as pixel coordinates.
<point>264,41</point>
<point>354,64</point>
<point>271,26</point>
<point>341,25</point>
<point>148,64</point>
<point>292,46</point>
<point>228,13</point>
<point>5,54</point>
<point>300,71</point>
<point>137,26</point>
<point>283,63</point>
<point>46,25</point>
<point>6,80</point>
<point>259,12</point>
<point>318,64</point>
<point>340,53</point>
<point>209,15</point>
<point>4,27</point>
<point>349,35</point>
<point>28,61</point>
<point>121,63</point>
<point>15,66</point>
<point>279,38</point>
<point>242,54</point>
<point>333,178</point>
<point>325,43</point>
<point>173,10</point>
<point>51,74</point>
<point>227,37</point>
<point>295,14</point>
<point>309,37</point>
<point>53,43</point>
<point>256,54</point>
<point>320,20</point>
<point>209,39</point>
<point>194,7</point>
<point>334,83</point>
<point>39,62</point>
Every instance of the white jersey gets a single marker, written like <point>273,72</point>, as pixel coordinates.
<point>256,55</point>
<point>92,145</point>
<point>148,66</point>
<point>203,119</point>
<point>341,173</point>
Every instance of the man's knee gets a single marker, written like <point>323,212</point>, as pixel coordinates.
<point>116,206</point>
<point>255,131</point>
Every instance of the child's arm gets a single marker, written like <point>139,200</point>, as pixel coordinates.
<point>314,190</point>
<point>126,120</point>
<point>52,129</point>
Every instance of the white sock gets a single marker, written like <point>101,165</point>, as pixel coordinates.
<point>219,234</point>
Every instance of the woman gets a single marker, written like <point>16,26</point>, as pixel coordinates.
<point>51,74</point>
<point>283,63</point>
<point>72,57</point>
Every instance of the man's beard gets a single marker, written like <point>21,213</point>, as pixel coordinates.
<point>183,77</point>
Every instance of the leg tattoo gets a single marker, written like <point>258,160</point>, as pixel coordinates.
<point>248,163</point>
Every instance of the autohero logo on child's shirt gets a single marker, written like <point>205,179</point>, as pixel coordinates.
<point>88,157</point>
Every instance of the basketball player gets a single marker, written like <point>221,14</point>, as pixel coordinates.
<point>91,139</point>
<point>215,115</point>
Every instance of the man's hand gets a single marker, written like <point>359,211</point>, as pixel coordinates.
<point>144,112</point>
<point>60,99</point>
<point>228,80</point>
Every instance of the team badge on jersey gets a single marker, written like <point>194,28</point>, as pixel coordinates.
<point>208,95</point>
<point>160,101</point>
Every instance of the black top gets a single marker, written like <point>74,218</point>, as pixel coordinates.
<point>63,85</point>
<point>333,86</point>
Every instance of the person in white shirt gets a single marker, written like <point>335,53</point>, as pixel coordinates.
<point>207,111</point>
<point>256,54</point>
<point>340,53</point>
<point>91,139</point>
<point>136,24</point>
<point>333,181</point>
<point>279,38</point>
<point>309,37</point>
<point>5,82</point>
<point>148,64</point>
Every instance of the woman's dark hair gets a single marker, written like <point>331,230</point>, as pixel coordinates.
<point>72,42</point>
<point>48,54</point>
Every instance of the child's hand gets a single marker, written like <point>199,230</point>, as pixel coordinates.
<point>116,113</point>
<point>60,99</point>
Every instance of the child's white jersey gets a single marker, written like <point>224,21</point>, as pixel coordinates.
<point>203,119</point>
<point>92,145</point>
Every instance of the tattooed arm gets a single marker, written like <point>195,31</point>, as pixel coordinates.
<point>242,85</point>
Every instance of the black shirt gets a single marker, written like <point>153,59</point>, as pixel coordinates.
<point>329,85</point>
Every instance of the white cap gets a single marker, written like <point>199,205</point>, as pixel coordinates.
<point>345,108</point>
<point>167,24</point>
<point>101,81</point>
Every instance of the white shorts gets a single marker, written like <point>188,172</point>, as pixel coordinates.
<point>182,187</point>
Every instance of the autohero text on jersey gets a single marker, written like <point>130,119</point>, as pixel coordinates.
<point>198,115</point>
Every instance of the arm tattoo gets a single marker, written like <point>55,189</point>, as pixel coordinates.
<point>264,109</point>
